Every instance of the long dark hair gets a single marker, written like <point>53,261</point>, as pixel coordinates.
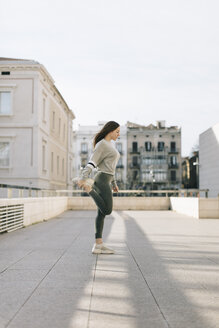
<point>107,128</point>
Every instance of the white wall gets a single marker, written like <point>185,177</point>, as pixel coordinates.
<point>209,160</point>
<point>122,203</point>
<point>185,205</point>
<point>40,208</point>
<point>201,208</point>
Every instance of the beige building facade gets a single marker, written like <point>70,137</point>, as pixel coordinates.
<point>36,148</point>
<point>153,156</point>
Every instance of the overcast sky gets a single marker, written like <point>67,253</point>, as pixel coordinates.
<point>123,60</point>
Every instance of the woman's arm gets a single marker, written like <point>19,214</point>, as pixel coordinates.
<point>95,159</point>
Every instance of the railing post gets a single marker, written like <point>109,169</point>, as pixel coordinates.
<point>206,193</point>
<point>9,193</point>
<point>21,193</point>
<point>30,192</point>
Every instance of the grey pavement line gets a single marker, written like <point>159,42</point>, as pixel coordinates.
<point>120,271</point>
<point>110,313</point>
<point>138,266</point>
<point>215,262</point>
<point>31,294</point>
<point>91,295</point>
<point>16,262</point>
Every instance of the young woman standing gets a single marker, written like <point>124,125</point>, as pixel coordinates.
<point>105,157</point>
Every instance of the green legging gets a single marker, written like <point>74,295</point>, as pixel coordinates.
<point>102,195</point>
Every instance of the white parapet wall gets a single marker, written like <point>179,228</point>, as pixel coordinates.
<point>40,208</point>
<point>122,203</point>
<point>209,208</point>
<point>201,208</point>
<point>185,205</point>
<point>44,208</point>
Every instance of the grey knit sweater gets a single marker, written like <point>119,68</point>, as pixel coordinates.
<point>105,157</point>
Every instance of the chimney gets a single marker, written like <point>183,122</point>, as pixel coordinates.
<point>161,124</point>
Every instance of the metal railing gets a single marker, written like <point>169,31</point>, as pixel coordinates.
<point>11,191</point>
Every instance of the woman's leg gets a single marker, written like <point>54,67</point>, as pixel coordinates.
<point>102,195</point>
<point>99,222</point>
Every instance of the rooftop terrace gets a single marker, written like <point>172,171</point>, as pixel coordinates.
<point>164,272</point>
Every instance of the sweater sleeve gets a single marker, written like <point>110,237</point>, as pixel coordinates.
<point>96,158</point>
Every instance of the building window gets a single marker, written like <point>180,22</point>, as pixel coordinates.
<point>134,147</point>
<point>4,154</point>
<point>147,161</point>
<point>84,147</point>
<point>160,175</point>
<point>44,109</point>
<point>119,164</point>
<point>135,175</point>
<point>44,158</point>
<point>83,162</point>
<point>119,147</point>
<point>59,126</point>
<point>173,146</point>
<point>173,160</point>
<point>53,120</point>
<point>70,168</point>
<point>57,165</point>
<point>148,146</point>
<point>63,167</point>
<point>160,160</point>
<point>134,160</point>
<point>52,161</point>
<point>173,175</point>
<point>5,103</point>
<point>5,73</point>
<point>64,132</point>
<point>160,146</point>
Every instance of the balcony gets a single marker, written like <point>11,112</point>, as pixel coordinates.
<point>83,152</point>
<point>134,166</point>
<point>173,166</point>
<point>134,151</point>
<point>173,151</point>
<point>120,166</point>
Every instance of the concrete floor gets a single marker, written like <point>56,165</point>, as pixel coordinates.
<point>165,273</point>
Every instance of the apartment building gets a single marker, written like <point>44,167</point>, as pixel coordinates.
<point>36,148</point>
<point>83,148</point>
<point>153,156</point>
<point>209,159</point>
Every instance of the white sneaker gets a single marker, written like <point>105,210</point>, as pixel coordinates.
<point>102,249</point>
<point>83,182</point>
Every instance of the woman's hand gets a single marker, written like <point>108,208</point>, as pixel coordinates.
<point>116,189</point>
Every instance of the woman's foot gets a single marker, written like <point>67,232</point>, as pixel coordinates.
<point>102,249</point>
<point>86,185</point>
